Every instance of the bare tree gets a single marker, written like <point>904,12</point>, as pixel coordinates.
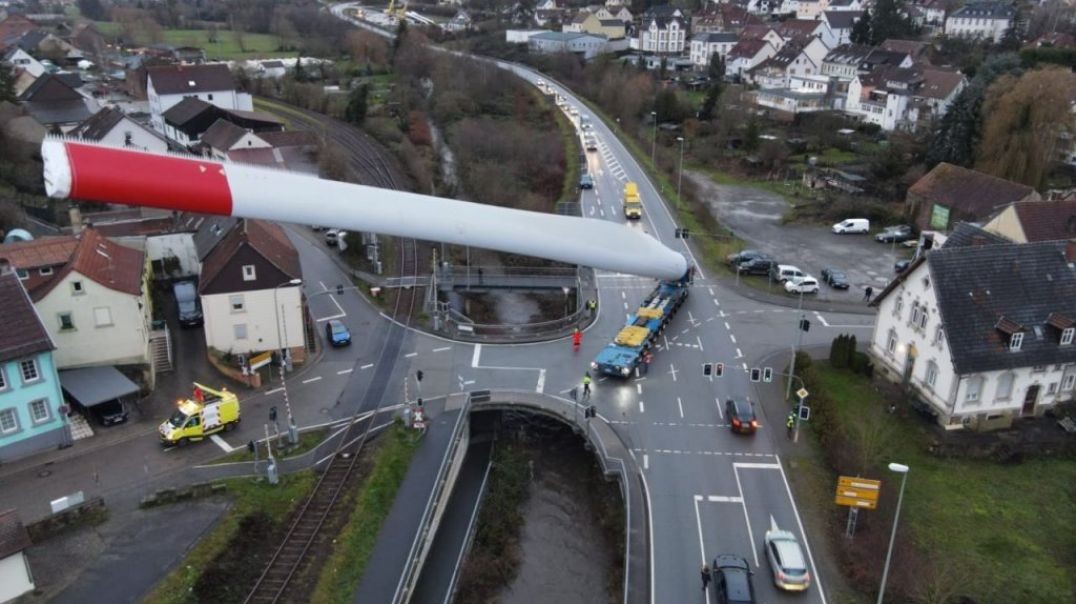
<point>870,436</point>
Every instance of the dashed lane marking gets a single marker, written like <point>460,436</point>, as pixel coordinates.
<point>274,390</point>
<point>411,355</point>
<point>343,371</point>
<point>366,366</point>
<point>715,453</point>
<point>442,349</point>
<point>313,379</point>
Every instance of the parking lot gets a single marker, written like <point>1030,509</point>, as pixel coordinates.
<point>755,216</point>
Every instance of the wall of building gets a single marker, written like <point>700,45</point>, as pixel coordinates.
<point>140,138</point>
<point>14,580</point>
<point>31,437</point>
<point>259,315</point>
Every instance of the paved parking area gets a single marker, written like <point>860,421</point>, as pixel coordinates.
<point>755,216</point>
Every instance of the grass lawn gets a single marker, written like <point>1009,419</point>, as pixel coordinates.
<point>307,441</point>
<point>226,48</point>
<point>1008,528</point>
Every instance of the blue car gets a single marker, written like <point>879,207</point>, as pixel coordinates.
<point>337,333</point>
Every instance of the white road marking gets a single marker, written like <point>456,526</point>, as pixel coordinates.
<point>672,370</point>
<point>366,366</point>
<point>727,326</point>
<point>274,390</point>
<point>541,382</point>
<point>711,290</point>
<point>411,355</point>
<point>339,315</point>
<point>220,443</point>
<point>477,354</point>
<point>601,211</point>
<point>442,349</point>
<point>680,404</point>
<point>623,295</point>
<point>739,354</point>
<point>468,382</point>
<point>821,318</point>
<point>723,499</point>
<point>646,461</point>
<point>717,401</point>
<point>803,534</point>
<point>732,337</point>
<point>745,367</point>
<point>639,388</point>
<point>746,518</point>
<point>313,379</point>
<point>642,407</point>
<point>716,303</point>
<point>702,546</point>
<point>343,371</point>
<point>699,340</point>
<point>625,306</point>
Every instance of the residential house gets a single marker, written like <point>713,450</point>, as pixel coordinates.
<point>168,85</point>
<point>984,20</point>
<point>807,9</point>
<point>49,46</point>
<point>550,11</point>
<point>722,18</point>
<point>20,59</point>
<point>1035,221</point>
<point>589,23</point>
<point>587,45</point>
<point>271,69</point>
<point>915,49</point>
<point>224,136</point>
<point>186,121</point>
<point>1054,39</point>
<point>982,334</point>
<point>663,30</point>
<point>949,194</point>
<point>249,303</point>
<point>840,24</point>
<point>111,126</point>
<point>15,576</point>
<point>31,401</point>
<point>902,97</point>
<point>88,39</point>
<point>762,31</point>
<point>624,15</point>
<point>803,30</point>
<point>707,44</point>
<point>930,101</point>
<point>13,27</point>
<point>842,65</point>
<point>845,5</point>
<point>745,55</point>
<point>461,21</point>
<point>795,59</point>
<point>790,101</point>
<point>56,105</point>
<point>92,294</point>
<point>886,58</point>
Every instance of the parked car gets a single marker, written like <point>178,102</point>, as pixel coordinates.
<point>743,256</point>
<point>188,304</point>
<point>756,266</point>
<point>586,182</point>
<point>732,580</point>
<point>741,414</point>
<point>110,413</point>
<point>895,234</point>
<point>802,285</point>
<point>786,560</point>
<point>852,225</point>
<point>834,278</point>
<point>783,272</point>
<point>901,266</point>
<point>337,333</point>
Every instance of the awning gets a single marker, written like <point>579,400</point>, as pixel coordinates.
<point>95,385</point>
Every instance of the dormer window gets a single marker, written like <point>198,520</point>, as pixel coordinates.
<point>1014,330</point>
<point>248,272</point>
<point>1067,336</point>
<point>1016,341</point>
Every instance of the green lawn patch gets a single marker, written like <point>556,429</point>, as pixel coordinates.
<point>307,441</point>
<point>1004,531</point>
<point>226,48</point>
<point>252,498</point>
<point>343,570</point>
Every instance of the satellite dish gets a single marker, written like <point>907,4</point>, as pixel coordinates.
<point>17,235</point>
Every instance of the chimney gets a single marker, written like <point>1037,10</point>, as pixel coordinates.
<point>1070,251</point>
<point>5,266</point>
<point>75,215</point>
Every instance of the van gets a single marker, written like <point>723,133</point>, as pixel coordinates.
<point>188,304</point>
<point>783,272</point>
<point>852,225</point>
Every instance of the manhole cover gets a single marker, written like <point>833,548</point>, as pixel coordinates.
<point>44,473</point>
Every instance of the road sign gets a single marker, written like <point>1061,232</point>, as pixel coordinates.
<point>858,492</point>
<point>261,360</point>
<point>802,393</point>
<point>805,413</point>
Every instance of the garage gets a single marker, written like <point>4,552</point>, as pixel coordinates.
<point>103,393</point>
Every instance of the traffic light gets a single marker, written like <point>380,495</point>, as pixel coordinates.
<point>272,414</point>
<point>707,369</point>
<point>682,233</point>
<point>719,369</point>
<point>339,289</point>
<point>590,412</point>
<point>767,374</point>
<point>419,403</point>
<point>756,374</point>
<point>805,325</point>
<point>418,375</point>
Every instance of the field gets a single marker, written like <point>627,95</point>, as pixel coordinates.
<point>226,48</point>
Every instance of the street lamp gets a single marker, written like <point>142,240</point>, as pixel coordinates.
<point>903,471</point>
<point>680,176</point>
<point>654,143</point>
<point>282,319</point>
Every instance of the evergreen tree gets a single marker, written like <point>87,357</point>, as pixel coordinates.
<point>716,70</point>
<point>7,85</point>
<point>706,113</point>
<point>861,29</point>
<point>750,136</point>
<point>401,33</point>
<point>355,112</point>
<point>850,351</point>
<point>835,350</point>
<point>300,76</point>
<point>888,21</point>
<point>1011,40</point>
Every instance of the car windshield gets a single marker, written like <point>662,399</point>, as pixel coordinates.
<point>743,409</point>
<point>178,419</point>
<point>186,307</point>
<point>339,328</point>
<point>836,275</point>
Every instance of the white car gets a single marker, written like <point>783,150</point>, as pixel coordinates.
<point>786,561</point>
<point>802,285</point>
<point>852,225</point>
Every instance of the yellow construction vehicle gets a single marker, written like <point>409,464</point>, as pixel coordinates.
<point>633,204</point>
<point>209,411</point>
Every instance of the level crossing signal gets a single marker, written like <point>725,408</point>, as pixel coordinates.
<point>683,233</point>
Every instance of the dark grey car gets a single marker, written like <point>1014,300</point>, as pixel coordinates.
<point>732,580</point>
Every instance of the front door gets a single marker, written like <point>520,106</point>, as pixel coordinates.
<point>1030,398</point>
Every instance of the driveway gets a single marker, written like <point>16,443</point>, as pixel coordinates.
<point>755,216</point>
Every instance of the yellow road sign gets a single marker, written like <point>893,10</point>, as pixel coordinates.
<point>858,492</point>
<point>856,503</point>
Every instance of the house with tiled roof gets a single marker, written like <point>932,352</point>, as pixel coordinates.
<point>746,54</point>
<point>188,120</point>
<point>110,126</point>
<point>983,334</point>
<point>56,105</point>
<point>31,400</point>
<point>168,85</point>
<point>707,44</point>
<point>949,194</point>
<point>722,18</point>
<point>16,578</point>
<point>802,29</point>
<point>18,58</point>
<point>845,5</point>
<point>92,295</point>
<point>796,58</point>
<point>663,30</point>
<point>839,25</point>
<point>13,27</point>
<point>894,96</point>
<point>915,49</point>
<point>248,302</point>
<point>981,20</point>
<point>1034,221</point>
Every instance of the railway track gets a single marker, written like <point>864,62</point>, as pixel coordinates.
<point>319,513</point>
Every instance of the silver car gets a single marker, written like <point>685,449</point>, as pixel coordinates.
<point>786,560</point>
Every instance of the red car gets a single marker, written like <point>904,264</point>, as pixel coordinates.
<point>741,416</point>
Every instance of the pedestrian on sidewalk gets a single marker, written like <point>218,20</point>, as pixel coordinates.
<point>790,423</point>
<point>867,293</point>
<point>705,576</point>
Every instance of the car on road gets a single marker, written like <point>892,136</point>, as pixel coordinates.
<point>786,560</point>
<point>590,143</point>
<point>732,580</point>
<point>337,333</point>
<point>741,414</point>
<point>188,304</point>
<point>333,236</point>
<point>783,272</point>
<point>834,278</point>
<point>852,225</point>
<point>756,266</point>
<point>802,285</point>
<point>895,234</point>
<point>901,266</point>
<point>586,182</point>
<point>743,256</point>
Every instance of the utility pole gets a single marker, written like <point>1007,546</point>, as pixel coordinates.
<point>804,325</point>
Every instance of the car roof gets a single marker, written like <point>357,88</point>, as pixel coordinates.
<point>737,577</point>
<point>788,267</point>
<point>741,405</point>
<point>788,549</point>
<point>336,323</point>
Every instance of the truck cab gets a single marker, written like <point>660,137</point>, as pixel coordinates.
<point>209,411</point>
<point>633,204</point>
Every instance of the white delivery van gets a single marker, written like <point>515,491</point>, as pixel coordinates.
<point>852,225</point>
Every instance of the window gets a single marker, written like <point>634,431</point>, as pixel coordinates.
<point>9,422</point>
<point>898,308</point>
<point>915,314</point>
<point>240,331</point>
<point>932,373</point>
<point>1069,383</point>
<point>237,303</point>
<point>1004,390</point>
<point>891,343</point>
<point>22,273</point>
<point>1016,341</point>
<point>1067,335</point>
<point>45,271</point>
<point>66,322</point>
<point>76,288</point>
<point>102,316</point>
<point>975,388</point>
<point>1052,388</point>
<point>1038,369</point>
<point>923,317</point>
<point>248,272</point>
<point>29,370</point>
<point>939,334</point>
<point>39,411</point>
<point>3,380</point>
